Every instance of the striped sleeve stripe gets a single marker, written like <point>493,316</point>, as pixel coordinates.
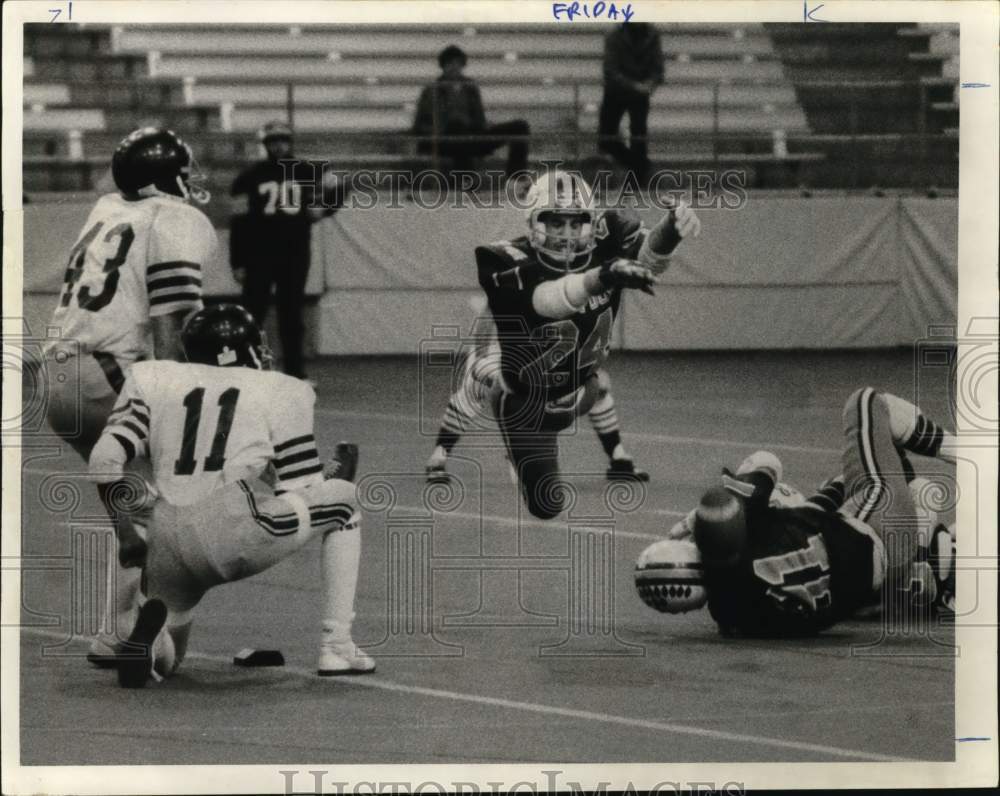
<point>166,283</point>
<point>173,265</point>
<point>135,407</point>
<point>290,475</point>
<point>290,443</point>
<point>138,429</point>
<point>296,458</point>
<point>136,442</point>
<point>174,297</point>
<point>132,413</point>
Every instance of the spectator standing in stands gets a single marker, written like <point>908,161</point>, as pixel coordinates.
<point>452,106</point>
<point>270,243</point>
<point>633,68</point>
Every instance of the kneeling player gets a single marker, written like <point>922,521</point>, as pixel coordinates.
<point>462,413</point>
<point>210,427</point>
<point>554,295</point>
<point>791,566</point>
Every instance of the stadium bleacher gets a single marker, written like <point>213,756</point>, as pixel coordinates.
<point>731,91</point>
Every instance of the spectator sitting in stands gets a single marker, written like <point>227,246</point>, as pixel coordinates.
<point>452,106</point>
<point>633,68</point>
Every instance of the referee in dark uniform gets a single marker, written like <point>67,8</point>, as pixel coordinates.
<point>269,245</point>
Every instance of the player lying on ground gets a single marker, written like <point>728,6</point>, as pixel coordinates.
<point>133,275</point>
<point>554,295</point>
<point>212,428</point>
<point>780,565</point>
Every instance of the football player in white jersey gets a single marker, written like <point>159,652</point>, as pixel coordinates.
<point>132,277</point>
<point>212,428</point>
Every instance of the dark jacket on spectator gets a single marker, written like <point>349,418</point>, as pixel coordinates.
<point>455,104</point>
<point>632,54</point>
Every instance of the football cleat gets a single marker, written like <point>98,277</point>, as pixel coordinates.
<point>344,658</point>
<point>437,474</point>
<point>625,470</point>
<point>435,468</point>
<point>135,665</point>
<point>344,464</point>
<point>152,161</point>
<point>225,335</point>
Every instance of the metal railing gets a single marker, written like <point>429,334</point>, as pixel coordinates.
<point>857,153</point>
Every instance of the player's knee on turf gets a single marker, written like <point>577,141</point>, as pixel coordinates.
<point>545,493</point>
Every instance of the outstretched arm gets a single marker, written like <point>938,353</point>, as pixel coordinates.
<point>563,297</point>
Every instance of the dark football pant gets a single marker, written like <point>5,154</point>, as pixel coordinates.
<point>288,275</point>
<point>530,429</point>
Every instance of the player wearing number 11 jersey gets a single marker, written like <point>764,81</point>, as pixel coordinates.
<point>554,295</point>
<point>239,482</point>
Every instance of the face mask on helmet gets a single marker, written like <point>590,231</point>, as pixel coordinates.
<point>564,237</point>
<point>562,221</point>
<point>192,181</point>
<point>669,577</point>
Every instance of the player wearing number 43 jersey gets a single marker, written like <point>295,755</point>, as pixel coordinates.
<point>212,428</point>
<point>554,295</point>
<point>132,277</point>
<point>770,562</point>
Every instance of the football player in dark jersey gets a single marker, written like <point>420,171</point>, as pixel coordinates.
<point>554,295</point>
<point>771,563</point>
<point>463,412</point>
<point>270,243</point>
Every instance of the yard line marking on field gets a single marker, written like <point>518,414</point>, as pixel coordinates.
<point>639,436</point>
<point>469,515</point>
<point>519,521</point>
<point>671,728</point>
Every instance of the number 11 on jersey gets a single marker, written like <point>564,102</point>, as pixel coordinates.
<point>186,462</point>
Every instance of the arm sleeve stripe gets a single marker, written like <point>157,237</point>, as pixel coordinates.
<point>296,458</point>
<point>173,297</point>
<point>155,269</point>
<point>310,470</point>
<point>294,441</point>
<point>164,283</point>
<point>127,446</point>
<point>138,430</point>
<point>132,409</point>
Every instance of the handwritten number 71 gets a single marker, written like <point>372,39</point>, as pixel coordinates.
<point>57,11</point>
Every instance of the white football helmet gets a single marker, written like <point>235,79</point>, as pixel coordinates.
<point>562,193</point>
<point>670,578</point>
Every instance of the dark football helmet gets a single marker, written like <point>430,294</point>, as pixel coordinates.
<point>152,161</point>
<point>225,335</point>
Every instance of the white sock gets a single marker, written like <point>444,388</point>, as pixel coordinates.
<point>619,452</point>
<point>341,557</point>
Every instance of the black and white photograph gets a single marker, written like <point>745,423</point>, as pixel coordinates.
<point>499,397</point>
